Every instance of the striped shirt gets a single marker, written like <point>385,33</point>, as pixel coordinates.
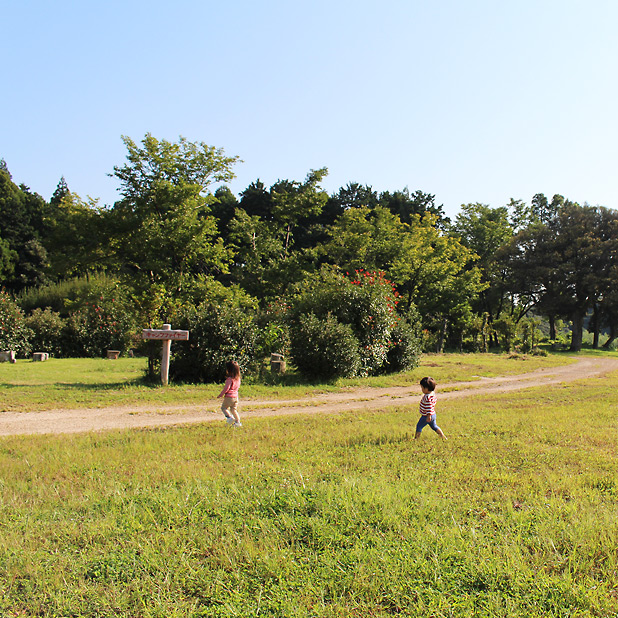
<point>428,404</point>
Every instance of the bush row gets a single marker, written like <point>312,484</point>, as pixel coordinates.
<point>87,332</point>
<point>334,325</point>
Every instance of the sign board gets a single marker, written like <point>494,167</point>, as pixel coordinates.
<point>165,334</point>
<point>161,334</point>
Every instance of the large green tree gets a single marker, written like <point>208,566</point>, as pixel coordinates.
<point>274,232</point>
<point>408,206</point>
<point>74,234</point>
<point>365,237</point>
<point>567,265</point>
<point>543,210</point>
<point>353,195</point>
<point>21,227</point>
<point>162,230</point>
<point>296,205</point>
<point>8,259</point>
<point>431,270</point>
<point>484,230</point>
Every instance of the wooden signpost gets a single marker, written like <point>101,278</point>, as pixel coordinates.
<point>166,335</point>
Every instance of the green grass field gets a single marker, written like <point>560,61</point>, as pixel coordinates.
<point>332,515</point>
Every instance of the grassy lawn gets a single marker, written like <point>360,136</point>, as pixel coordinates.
<point>329,516</point>
<point>57,383</point>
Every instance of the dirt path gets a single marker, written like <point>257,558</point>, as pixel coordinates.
<point>101,419</point>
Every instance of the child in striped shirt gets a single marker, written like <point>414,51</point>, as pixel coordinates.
<point>428,408</point>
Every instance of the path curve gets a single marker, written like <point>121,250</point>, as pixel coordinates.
<point>128,417</point>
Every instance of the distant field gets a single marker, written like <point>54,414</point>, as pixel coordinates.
<point>322,516</point>
<point>88,382</point>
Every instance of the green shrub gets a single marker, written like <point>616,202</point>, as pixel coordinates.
<point>274,329</point>
<point>96,327</point>
<point>47,329</point>
<point>14,333</point>
<point>536,351</point>
<point>506,329</point>
<point>367,303</point>
<point>206,289</point>
<point>325,348</point>
<point>217,334</point>
<point>406,346</point>
<point>66,296</point>
<point>84,316</point>
<point>529,334</point>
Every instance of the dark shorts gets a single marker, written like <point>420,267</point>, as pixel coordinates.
<point>424,420</point>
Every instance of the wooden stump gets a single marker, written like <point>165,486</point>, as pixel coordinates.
<point>113,354</point>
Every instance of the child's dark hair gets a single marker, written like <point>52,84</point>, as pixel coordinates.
<point>429,383</point>
<point>232,369</point>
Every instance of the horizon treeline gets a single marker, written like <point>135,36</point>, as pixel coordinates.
<point>178,237</point>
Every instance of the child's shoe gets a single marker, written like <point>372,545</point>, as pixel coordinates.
<point>237,424</point>
<point>229,420</point>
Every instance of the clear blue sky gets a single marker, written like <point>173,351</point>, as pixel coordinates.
<point>473,101</point>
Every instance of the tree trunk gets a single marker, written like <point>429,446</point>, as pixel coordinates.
<point>440,343</point>
<point>595,323</point>
<point>552,328</point>
<point>484,334</point>
<point>287,240</point>
<point>577,331</point>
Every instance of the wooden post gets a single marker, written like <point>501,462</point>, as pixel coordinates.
<point>165,357</point>
<point>165,334</point>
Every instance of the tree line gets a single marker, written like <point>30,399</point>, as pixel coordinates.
<point>178,237</point>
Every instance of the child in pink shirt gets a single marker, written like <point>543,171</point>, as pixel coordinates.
<point>229,407</point>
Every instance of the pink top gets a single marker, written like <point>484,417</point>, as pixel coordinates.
<point>428,405</point>
<point>230,389</point>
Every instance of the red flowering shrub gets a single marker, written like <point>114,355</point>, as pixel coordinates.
<point>366,302</point>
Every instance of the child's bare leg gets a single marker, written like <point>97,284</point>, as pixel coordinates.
<point>441,434</point>
<point>417,435</point>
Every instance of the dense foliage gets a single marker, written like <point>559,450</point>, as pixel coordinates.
<point>217,333</point>
<point>14,334</point>
<point>324,347</point>
<point>46,327</point>
<point>356,311</point>
<point>179,242</point>
<point>94,328</point>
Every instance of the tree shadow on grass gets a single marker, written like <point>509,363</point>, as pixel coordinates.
<point>292,377</point>
<point>107,386</point>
